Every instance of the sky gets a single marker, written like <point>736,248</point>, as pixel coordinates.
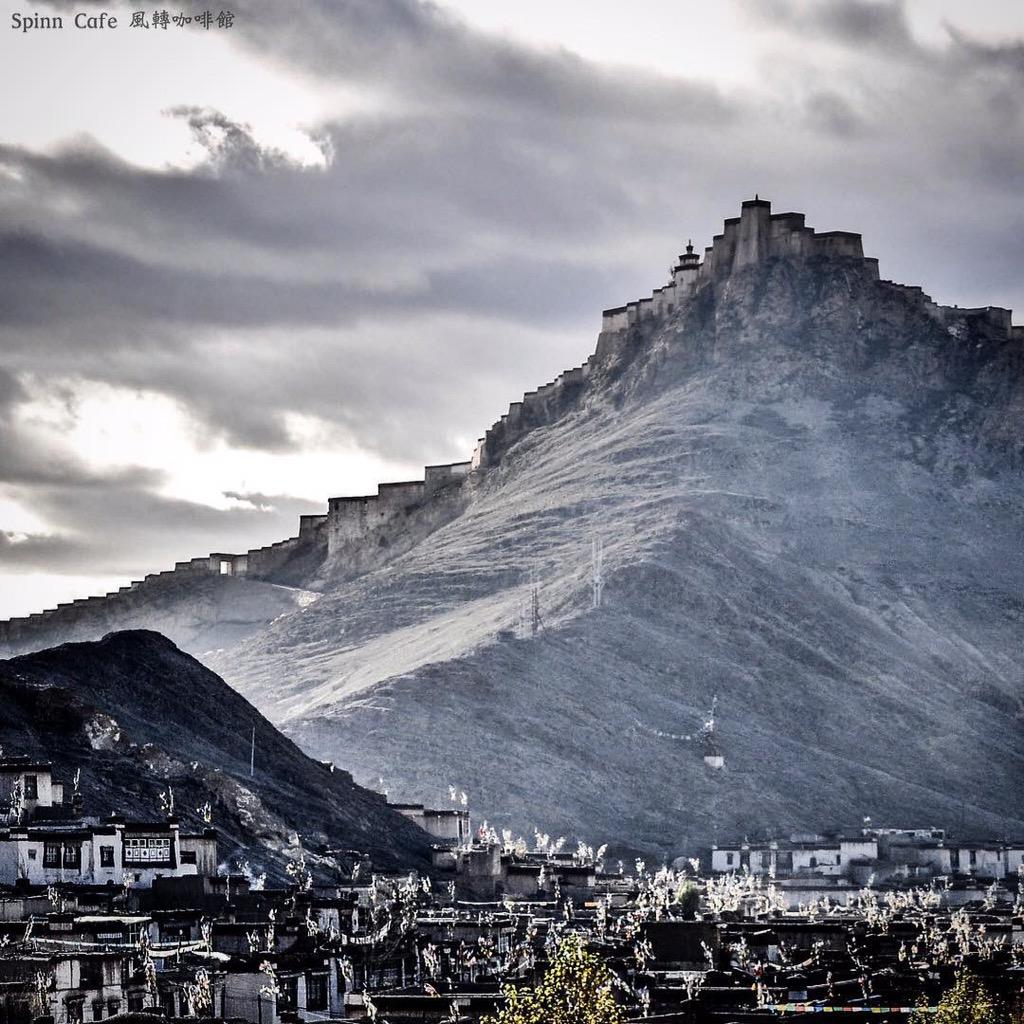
<point>252,267</point>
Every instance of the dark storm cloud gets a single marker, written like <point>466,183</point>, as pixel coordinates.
<point>121,529</point>
<point>856,23</point>
<point>458,245</point>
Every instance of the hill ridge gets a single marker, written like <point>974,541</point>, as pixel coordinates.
<point>417,508</point>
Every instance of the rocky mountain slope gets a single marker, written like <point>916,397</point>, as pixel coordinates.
<point>141,719</point>
<point>808,485</point>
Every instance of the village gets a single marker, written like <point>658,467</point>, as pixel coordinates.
<point>102,917</point>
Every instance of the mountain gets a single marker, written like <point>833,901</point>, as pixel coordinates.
<point>807,483</point>
<point>139,718</point>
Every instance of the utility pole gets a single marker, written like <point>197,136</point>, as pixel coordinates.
<point>535,620</point>
<point>252,753</point>
<point>597,570</point>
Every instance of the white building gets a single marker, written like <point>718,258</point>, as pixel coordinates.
<point>95,854</point>
<point>27,785</point>
<point>801,855</point>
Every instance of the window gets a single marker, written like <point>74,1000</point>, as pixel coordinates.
<point>113,1006</point>
<point>97,1009</point>
<point>73,856</point>
<point>51,855</point>
<point>155,849</point>
<point>814,862</point>
<point>316,991</point>
<point>106,856</point>
<point>32,854</point>
<point>728,859</point>
<point>288,997</point>
<point>91,974</point>
<point>75,1010</point>
<point>188,856</point>
<point>31,787</point>
<point>136,1001</point>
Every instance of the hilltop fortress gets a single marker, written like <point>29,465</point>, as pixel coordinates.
<point>356,533</point>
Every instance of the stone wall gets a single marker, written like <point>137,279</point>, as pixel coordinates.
<point>363,530</point>
<point>359,532</point>
<point>257,563</point>
<point>755,236</point>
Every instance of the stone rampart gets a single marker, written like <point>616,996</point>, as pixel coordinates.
<point>357,531</point>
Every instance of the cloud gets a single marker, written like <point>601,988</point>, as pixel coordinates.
<point>230,145</point>
<point>130,530</point>
<point>880,24</point>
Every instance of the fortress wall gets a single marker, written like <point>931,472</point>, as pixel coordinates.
<point>312,527</point>
<point>399,495</point>
<point>727,245</point>
<point>364,542</point>
<point>788,235</point>
<point>437,477</point>
<point>752,233</point>
<point>357,527</point>
<point>349,519</point>
<point>715,257</point>
<point>914,293</point>
<point>263,561</point>
<point>838,243</point>
<point>354,521</point>
<point>614,319</point>
<point>548,402</point>
<point>757,234</point>
<point>994,321</point>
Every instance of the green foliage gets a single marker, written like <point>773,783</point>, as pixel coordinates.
<point>967,1002</point>
<point>576,989</point>
<point>688,899</point>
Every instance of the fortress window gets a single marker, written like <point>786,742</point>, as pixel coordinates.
<point>51,855</point>
<point>31,787</point>
<point>106,856</point>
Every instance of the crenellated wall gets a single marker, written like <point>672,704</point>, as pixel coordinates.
<point>257,563</point>
<point>757,235</point>
<point>754,236</point>
<point>357,532</point>
<point>376,520</point>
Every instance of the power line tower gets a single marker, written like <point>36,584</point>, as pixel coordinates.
<point>536,623</point>
<point>597,570</point>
